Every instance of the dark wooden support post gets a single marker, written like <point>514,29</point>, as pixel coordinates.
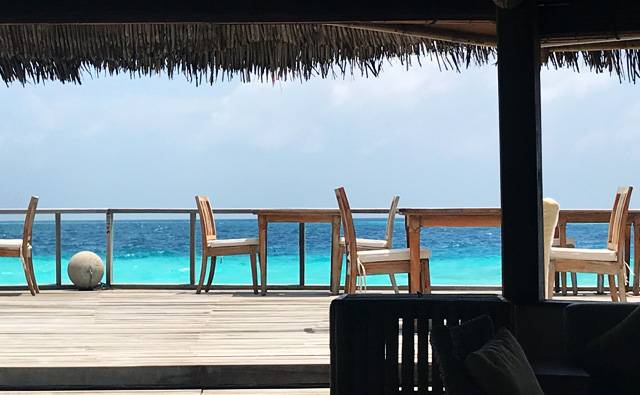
<point>520,152</point>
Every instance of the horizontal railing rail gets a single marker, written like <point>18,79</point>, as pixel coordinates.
<point>566,217</point>
<point>110,213</point>
<point>251,211</point>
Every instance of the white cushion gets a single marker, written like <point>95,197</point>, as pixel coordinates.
<point>584,254</point>
<point>232,242</point>
<point>11,244</point>
<point>367,243</point>
<point>398,254</point>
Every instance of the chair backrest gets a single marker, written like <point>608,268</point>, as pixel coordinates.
<point>393,210</point>
<point>27,230</point>
<point>550,214</point>
<point>207,223</point>
<point>349,229</point>
<point>618,221</point>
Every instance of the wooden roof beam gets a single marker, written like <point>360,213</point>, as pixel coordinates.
<point>588,18</point>
<point>234,11</point>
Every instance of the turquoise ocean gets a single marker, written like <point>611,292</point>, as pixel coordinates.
<point>157,251</point>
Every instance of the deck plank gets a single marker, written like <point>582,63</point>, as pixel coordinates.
<point>142,328</point>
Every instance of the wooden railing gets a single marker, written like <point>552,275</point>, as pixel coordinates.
<point>441,217</point>
<point>110,217</point>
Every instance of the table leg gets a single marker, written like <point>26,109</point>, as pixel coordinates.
<point>336,257</point>
<point>414,253</point>
<point>262,249</point>
<point>406,230</point>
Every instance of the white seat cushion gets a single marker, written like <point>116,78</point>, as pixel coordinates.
<point>584,254</point>
<point>367,243</point>
<point>11,244</point>
<point>398,254</point>
<point>232,243</point>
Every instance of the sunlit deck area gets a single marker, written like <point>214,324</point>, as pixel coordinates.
<point>168,339</point>
<point>149,339</point>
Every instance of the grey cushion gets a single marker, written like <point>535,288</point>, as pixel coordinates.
<point>500,367</point>
<point>607,356</point>
<point>471,335</point>
<point>452,344</point>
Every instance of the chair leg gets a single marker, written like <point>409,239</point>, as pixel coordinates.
<point>426,276</point>
<point>27,275</point>
<point>254,272</point>
<point>551,276</point>
<point>352,286</point>
<point>336,271</point>
<point>622,284</point>
<point>563,280</point>
<point>203,272</point>
<point>347,282</point>
<point>394,284</point>
<point>34,283</point>
<point>212,270</point>
<point>347,277</point>
<point>574,283</point>
<point>613,292</point>
<point>600,284</point>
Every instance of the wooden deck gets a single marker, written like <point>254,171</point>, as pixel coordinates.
<point>145,339</point>
<point>171,339</point>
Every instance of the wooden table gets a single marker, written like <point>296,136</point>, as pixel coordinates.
<point>301,216</point>
<point>417,218</point>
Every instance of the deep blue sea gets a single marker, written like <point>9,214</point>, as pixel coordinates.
<point>157,251</point>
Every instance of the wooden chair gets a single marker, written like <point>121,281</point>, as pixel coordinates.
<point>214,247</point>
<point>608,260</point>
<point>550,214</point>
<point>374,244</point>
<point>21,248</point>
<point>382,261</point>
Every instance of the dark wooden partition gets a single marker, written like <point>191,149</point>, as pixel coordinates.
<point>380,344</point>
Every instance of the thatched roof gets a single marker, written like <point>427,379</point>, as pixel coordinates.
<point>210,52</point>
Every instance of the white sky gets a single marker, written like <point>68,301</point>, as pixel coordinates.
<point>427,135</point>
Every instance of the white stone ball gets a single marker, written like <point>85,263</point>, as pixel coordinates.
<point>85,270</point>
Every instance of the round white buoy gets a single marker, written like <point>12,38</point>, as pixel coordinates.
<point>85,270</point>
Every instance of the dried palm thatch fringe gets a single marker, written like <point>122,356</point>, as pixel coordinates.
<point>625,63</point>
<point>209,52</point>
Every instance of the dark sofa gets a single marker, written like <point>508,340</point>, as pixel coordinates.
<point>555,336</point>
<point>365,347</point>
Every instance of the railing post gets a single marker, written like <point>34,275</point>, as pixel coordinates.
<point>627,252</point>
<point>58,226</point>
<point>109,249</point>
<point>301,250</point>
<point>636,257</point>
<point>192,248</point>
